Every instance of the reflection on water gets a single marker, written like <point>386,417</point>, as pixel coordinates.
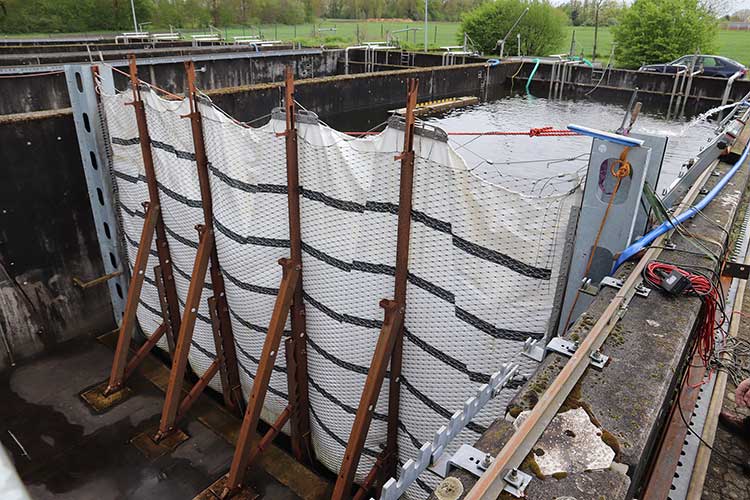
<point>524,159</point>
<point>543,157</point>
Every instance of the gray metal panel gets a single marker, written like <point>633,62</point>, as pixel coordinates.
<point>704,159</point>
<point>658,147</point>
<point>93,145</point>
<point>617,232</point>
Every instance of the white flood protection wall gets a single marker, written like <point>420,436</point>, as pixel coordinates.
<point>485,262</point>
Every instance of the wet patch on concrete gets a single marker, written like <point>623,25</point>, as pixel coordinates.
<point>67,451</point>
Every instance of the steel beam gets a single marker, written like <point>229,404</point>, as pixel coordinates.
<point>298,386</point>
<point>217,280</point>
<point>165,310</point>
<point>243,451</point>
<point>185,337</point>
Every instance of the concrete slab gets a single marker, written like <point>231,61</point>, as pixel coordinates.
<point>71,452</point>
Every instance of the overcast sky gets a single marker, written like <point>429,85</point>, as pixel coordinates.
<point>734,4</point>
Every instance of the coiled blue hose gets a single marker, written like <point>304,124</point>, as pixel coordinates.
<point>649,237</point>
<point>531,76</point>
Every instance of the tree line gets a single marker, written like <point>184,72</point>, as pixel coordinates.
<point>50,16</point>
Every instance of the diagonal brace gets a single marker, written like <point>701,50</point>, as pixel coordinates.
<point>244,450</point>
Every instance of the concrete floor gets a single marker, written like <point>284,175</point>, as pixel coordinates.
<point>72,453</point>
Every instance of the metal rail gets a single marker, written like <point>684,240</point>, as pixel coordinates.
<point>493,481</point>
<point>429,453</point>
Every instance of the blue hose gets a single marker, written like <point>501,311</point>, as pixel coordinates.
<point>648,238</point>
<point>493,62</point>
<point>531,76</point>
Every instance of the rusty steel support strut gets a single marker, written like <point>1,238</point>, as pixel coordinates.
<point>297,380</point>
<point>246,444</point>
<point>390,342</point>
<point>206,257</point>
<point>168,299</point>
<point>172,400</point>
<point>288,301</point>
<point>224,338</point>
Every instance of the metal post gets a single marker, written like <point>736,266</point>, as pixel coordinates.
<point>135,21</point>
<point>425,25</point>
<point>217,280</point>
<point>402,272</point>
<point>390,342</point>
<point>298,393</point>
<point>242,453</point>
<point>169,298</point>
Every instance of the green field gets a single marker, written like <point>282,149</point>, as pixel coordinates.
<point>732,44</point>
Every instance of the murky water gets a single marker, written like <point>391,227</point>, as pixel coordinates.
<point>523,157</point>
<point>539,157</point>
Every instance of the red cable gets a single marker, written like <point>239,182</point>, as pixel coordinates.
<point>534,132</point>
<point>702,287</point>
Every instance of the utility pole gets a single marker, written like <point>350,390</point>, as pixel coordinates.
<point>425,25</point>
<point>135,21</point>
<point>597,4</point>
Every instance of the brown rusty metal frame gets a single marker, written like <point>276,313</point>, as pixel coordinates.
<point>167,292</point>
<point>245,448</point>
<point>390,342</point>
<point>206,260</point>
<point>288,301</point>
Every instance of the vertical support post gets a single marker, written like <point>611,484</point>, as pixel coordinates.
<point>170,313</point>
<point>162,246</point>
<point>217,280</point>
<point>298,387</point>
<point>165,311</point>
<point>402,271</point>
<point>242,453</point>
<point>390,341</point>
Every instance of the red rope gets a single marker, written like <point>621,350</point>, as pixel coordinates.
<point>534,132</point>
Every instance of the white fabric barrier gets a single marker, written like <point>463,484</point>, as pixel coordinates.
<point>485,263</point>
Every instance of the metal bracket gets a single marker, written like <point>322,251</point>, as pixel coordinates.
<point>568,348</point>
<point>468,458</point>
<point>588,288</point>
<point>640,288</point>
<point>736,270</point>
<point>534,349</point>
<point>516,482</point>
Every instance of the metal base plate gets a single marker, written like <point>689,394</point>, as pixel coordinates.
<point>94,397</point>
<point>151,449</point>
<point>214,491</point>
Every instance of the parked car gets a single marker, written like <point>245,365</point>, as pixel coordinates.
<point>718,66</point>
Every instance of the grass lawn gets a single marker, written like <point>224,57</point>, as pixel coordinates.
<point>732,44</point>
<point>341,32</point>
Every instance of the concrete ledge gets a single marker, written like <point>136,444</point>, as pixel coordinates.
<point>630,399</point>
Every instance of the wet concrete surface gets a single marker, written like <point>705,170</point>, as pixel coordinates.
<point>69,452</point>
